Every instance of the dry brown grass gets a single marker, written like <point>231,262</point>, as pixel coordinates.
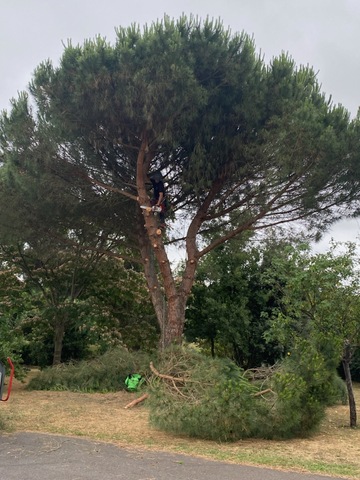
<point>335,449</point>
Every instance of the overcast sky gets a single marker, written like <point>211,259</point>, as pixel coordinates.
<point>322,33</point>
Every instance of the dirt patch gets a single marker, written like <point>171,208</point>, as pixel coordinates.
<point>103,417</point>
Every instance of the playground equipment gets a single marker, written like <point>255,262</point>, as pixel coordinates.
<point>2,380</point>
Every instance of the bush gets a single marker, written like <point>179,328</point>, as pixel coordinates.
<point>106,373</point>
<point>338,393</point>
<point>304,385</point>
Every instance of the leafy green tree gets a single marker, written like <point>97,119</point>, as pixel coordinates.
<point>79,301</point>
<point>114,309</point>
<point>121,309</point>
<point>54,232</point>
<point>59,276</point>
<point>14,300</point>
<point>227,302</point>
<point>242,145</point>
<point>57,280</point>
<point>320,308</point>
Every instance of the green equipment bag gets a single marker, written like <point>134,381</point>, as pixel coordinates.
<point>133,381</point>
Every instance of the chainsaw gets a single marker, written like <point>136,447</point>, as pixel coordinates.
<point>154,208</point>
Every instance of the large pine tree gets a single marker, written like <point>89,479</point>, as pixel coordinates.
<point>241,145</point>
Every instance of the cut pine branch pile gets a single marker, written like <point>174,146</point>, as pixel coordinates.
<point>166,377</point>
<point>176,384</point>
<point>261,373</point>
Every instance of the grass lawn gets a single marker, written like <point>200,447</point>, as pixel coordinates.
<point>334,450</point>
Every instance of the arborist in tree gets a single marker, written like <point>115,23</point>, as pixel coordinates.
<point>159,196</point>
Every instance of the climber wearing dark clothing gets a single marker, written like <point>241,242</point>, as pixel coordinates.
<point>159,197</point>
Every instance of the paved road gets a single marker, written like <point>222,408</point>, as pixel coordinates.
<point>28,456</point>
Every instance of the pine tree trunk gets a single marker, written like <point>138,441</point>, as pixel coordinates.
<point>169,299</point>
<point>174,326</point>
<point>169,304</point>
<point>346,366</point>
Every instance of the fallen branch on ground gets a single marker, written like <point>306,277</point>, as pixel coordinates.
<point>137,400</point>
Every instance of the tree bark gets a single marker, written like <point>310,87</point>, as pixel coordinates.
<point>346,360</point>
<point>155,288</point>
<point>59,332</point>
<point>169,299</point>
<point>175,321</point>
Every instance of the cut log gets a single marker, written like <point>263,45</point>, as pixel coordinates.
<point>137,400</point>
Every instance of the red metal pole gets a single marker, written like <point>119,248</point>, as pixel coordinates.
<point>12,370</point>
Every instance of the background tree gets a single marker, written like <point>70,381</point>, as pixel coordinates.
<point>60,276</point>
<point>121,307</point>
<point>53,231</point>
<point>320,308</point>
<point>13,301</point>
<point>228,301</point>
<point>113,309</point>
<point>77,297</point>
<point>242,145</point>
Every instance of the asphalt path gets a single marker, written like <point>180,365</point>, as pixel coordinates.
<point>33,456</point>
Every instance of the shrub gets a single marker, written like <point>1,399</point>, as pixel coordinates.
<point>304,385</point>
<point>338,393</point>
<point>105,373</point>
<point>11,345</point>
